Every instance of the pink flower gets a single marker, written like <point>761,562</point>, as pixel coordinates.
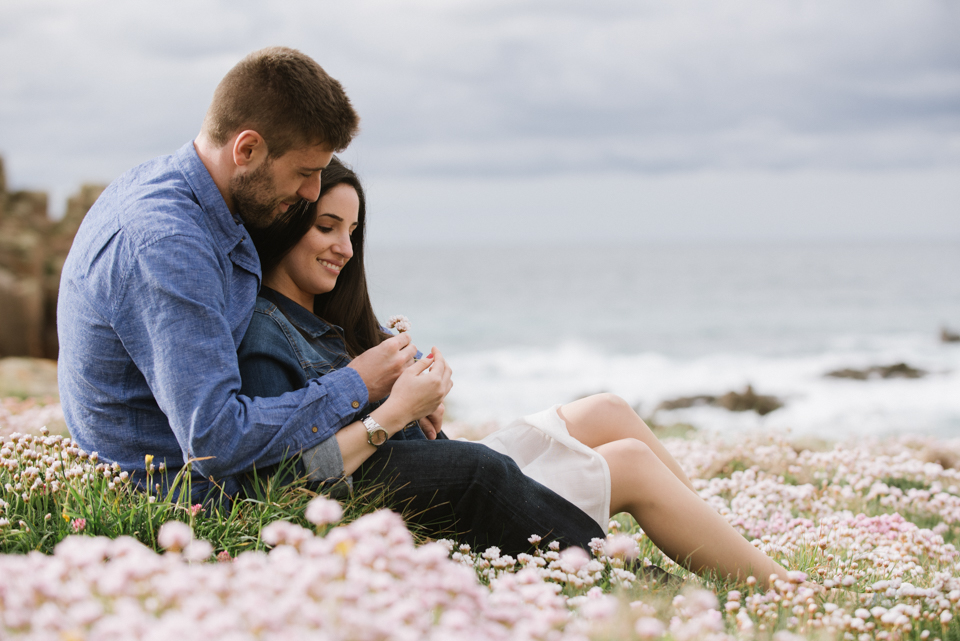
<point>285,533</point>
<point>649,628</point>
<point>78,525</point>
<point>174,536</point>
<point>197,551</point>
<point>195,509</point>
<point>224,557</point>
<point>622,547</point>
<point>322,511</point>
<point>573,559</point>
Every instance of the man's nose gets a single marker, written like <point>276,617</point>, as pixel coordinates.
<point>310,188</point>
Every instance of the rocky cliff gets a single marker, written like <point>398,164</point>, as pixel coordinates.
<point>32,250</point>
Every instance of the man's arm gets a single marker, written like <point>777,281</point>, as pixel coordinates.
<point>171,315</point>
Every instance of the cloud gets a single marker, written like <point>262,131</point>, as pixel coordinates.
<point>502,89</point>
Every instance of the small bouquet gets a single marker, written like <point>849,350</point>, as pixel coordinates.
<point>400,323</point>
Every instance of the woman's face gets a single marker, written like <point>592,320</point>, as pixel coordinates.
<point>314,263</point>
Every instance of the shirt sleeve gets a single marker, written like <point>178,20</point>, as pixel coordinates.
<point>170,313</point>
<point>269,367</point>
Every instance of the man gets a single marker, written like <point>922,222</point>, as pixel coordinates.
<point>160,285</point>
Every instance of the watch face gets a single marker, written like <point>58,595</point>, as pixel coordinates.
<point>376,435</point>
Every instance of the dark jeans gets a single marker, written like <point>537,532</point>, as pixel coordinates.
<point>449,489</point>
<point>467,492</point>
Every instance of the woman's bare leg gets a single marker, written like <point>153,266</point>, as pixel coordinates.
<point>604,418</point>
<point>678,521</point>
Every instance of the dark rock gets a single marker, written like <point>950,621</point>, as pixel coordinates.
<point>749,400</point>
<point>733,401</point>
<point>897,370</point>
<point>687,401</point>
<point>948,336</point>
<point>32,251</point>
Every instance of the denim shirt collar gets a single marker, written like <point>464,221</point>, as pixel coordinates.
<point>305,320</point>
<point>228,230</point>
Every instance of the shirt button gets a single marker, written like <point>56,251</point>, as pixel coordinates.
<point>355,404</point>
<point>314,429</point>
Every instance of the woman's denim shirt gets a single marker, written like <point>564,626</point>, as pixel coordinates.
<point>285,346</point>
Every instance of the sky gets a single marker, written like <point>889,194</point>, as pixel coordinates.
<point>534,121</point>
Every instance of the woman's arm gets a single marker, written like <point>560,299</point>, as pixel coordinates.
<point>417,393</point>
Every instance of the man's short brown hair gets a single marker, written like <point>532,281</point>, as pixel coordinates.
<point>287,98</point>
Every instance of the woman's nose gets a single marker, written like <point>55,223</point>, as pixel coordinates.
<point>345,247</point>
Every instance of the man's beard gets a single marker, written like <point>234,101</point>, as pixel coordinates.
<point>254,196</point>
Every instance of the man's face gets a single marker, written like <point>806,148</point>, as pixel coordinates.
<point>272,187</point>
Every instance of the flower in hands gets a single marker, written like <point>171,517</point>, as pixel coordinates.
<point>400,323</point>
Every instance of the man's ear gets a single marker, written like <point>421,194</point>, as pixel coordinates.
<point>249,149</point>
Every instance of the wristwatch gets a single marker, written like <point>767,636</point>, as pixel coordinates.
<point>376,434</point>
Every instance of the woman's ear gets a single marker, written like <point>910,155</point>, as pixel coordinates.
<point>249,149</point>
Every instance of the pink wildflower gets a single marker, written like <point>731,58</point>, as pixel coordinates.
<point>649,628</point>
<point>174,536</point>
<point>573,559</point>
<point>322,511</point>
<point>78,525</point>
<point>621,546</point>
<point>195,509</point>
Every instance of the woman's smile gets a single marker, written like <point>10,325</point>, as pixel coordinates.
<point>333,267</point>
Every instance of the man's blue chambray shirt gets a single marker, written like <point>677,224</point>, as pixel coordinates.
<point>155,297</point>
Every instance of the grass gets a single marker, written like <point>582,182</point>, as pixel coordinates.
<point>50,490</point>
<point>76,494</point>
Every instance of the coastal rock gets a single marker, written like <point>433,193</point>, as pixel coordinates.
<point>28,377</point>
<point>684,402</point>
<point>745,401</point>
<point>32,251</point>
<point>897,370</point>
<point>948,336</point>
<point>749,400</point>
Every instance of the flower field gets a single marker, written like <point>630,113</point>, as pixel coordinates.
<point>869,529</point>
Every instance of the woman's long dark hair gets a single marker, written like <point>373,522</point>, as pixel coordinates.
<point>348,303</point>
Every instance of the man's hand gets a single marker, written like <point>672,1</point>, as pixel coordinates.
<point>381,366</point>
<point>432,423</point>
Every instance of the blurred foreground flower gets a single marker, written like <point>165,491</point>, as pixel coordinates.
<point>323,511</point>
<point>174,536</point>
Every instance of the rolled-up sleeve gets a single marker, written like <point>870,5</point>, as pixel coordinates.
<point>171,316</point>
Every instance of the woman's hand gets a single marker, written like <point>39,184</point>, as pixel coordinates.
<point>432,423</point>
<point>381,366</point>
<point>418,391</point>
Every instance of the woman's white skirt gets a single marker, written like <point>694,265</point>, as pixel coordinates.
<point>543,448</point>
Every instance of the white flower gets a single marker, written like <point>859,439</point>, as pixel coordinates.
<point>197,551</point>
<point>621,546</point>
<point>174,536</point>
<point>284,533</point>
<point>323,511</point>
<point>649,628</point>
<point>399,322</point>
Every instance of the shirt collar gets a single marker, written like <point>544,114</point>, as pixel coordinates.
<point>228,229</point>
<point>303,318</point>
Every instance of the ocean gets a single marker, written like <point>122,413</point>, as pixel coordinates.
<point>527,327</point>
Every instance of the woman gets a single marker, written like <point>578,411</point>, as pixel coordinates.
<point>596,451</point>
